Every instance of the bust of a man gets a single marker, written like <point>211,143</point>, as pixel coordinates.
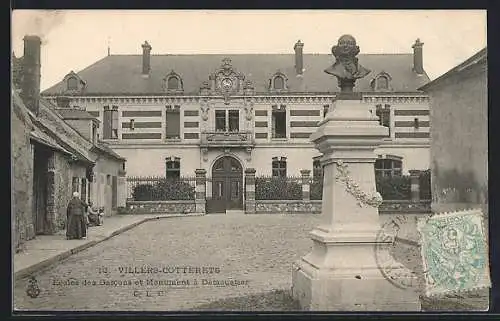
<point>346,67</point>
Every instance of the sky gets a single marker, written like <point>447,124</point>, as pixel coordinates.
<point>73,40</point>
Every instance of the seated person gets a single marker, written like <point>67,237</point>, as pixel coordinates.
<point>95,216</point>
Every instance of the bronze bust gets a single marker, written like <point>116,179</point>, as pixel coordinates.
<point>346,67</point>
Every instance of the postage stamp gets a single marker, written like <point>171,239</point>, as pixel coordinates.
<point>454,252</point>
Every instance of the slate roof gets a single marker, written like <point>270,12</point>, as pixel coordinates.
<point>122,74</point>
<point>107,150</point>
<point>41,134</point>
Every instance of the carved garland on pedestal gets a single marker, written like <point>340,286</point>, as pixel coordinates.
<point>374,200</point>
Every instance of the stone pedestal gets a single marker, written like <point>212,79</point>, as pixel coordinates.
<point>342,272</point>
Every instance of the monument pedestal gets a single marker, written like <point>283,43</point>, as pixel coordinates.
<point>343,272</point>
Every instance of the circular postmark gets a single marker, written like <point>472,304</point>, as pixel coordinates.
<point>387,246</point>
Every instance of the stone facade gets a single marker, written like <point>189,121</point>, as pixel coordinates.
<point>459,132</point>
<point>246,85</point>
<point>22,173</point>
<point>50,158</point>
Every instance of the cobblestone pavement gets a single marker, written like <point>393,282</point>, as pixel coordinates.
<point>255,251</point>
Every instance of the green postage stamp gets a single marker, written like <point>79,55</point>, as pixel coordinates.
<point>454,252</point>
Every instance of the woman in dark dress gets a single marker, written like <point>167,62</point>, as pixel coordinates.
<point>76,223</point>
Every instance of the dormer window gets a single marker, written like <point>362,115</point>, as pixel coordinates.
<point>382,82</point>
<point>173,82</point>
<point>72,83</point>
<point>278,82</point>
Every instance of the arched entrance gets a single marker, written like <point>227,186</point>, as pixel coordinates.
<point>227,184</point>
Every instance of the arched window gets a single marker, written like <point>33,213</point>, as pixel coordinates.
<point>279,167</point>
<point>382,82</point>
<point>173,83</point>
<point>72,83</point>
<point>388,167</point>
<point>278,83</point>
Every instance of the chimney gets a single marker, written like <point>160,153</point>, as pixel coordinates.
<point>146,58</point>
<point>418,60</point>
<point>30,84</point>
<point>299,60</point>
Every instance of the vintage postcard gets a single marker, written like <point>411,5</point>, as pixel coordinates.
<point>249,160</point>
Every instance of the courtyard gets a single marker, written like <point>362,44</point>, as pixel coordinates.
<point>239,262</point>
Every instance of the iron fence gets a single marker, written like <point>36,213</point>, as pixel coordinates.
<point>157,188</point>
<point>396,188</point>
<point>278,188</point>
<point>316,188</point>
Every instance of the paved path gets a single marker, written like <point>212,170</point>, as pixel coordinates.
<point>255,251</point>
<point>49,249</point>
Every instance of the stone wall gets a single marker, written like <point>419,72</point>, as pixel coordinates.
<point>459,131</point>
<point>22,177</point>
<point>314,207</point>
<point>282,207</point>
<point>64,174</point>
<point>163,207</point>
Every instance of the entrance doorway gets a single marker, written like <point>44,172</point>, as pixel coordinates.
<point>40,188</point>
<point>227,185</point>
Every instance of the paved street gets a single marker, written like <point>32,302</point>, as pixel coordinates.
<point>255,251</point>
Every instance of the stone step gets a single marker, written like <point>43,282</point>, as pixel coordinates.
<point>235,212</point>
